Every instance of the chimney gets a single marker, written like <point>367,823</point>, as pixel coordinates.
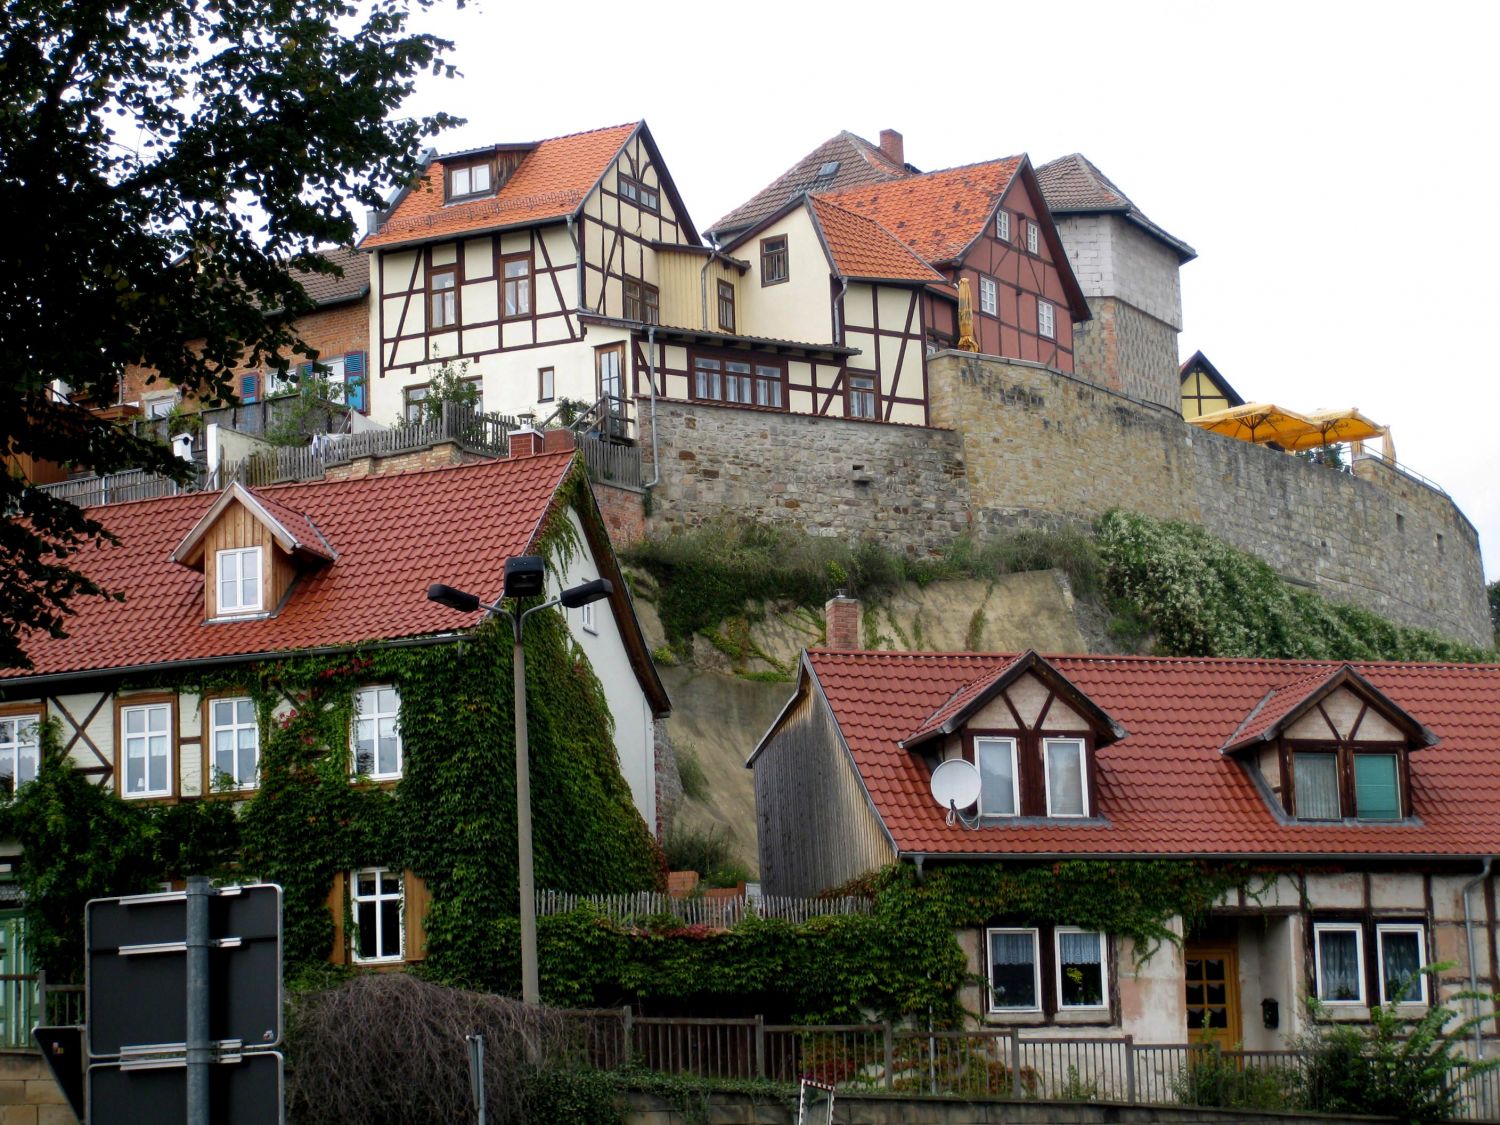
<point>893,146</point>
<point>526,442</point>
<point>841,617</point>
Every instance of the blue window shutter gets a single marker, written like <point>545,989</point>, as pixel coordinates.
<point>250,387</point>
<point>354,382</point>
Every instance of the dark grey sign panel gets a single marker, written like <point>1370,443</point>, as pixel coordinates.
<point>246,1092</point>
<point>62,1048</point>
<point>137,970</point>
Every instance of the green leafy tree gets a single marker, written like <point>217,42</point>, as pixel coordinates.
<point>1493,590</point>
<point>165,163</point>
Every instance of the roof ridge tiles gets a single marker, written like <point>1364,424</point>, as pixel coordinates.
<point>539,141</point>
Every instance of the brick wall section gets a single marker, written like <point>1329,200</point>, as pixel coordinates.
<point>433,457</point>
<point>825,476</point>
<point>1057,446</point>
<point>332,331</point>
<point>624,512</point>
<point>28,1095</point>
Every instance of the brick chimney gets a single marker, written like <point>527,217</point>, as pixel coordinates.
<point>841,617</point>
<point>526,442</point>
<point>893,146</point>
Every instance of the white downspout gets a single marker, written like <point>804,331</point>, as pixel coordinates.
<point>1469,935</point>
<point>651,374</point>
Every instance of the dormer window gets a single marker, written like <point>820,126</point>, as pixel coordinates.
<point>239,573</point>
<point>1332,746</point>
<point>1030,733</point>
<point>468,181</point>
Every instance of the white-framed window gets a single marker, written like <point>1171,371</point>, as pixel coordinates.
<point>586,618</point>
<point>1015,970</point>
<point>862,402</point>
<point>378,901</point>
<point>146,750</point>
<point>238,571</point>
<point>1401,948</point>
<point>1046,319</point>
<point>160,407</point>
<point>989,296</point>
<point>1340,962</point>
<point>20,753</point>
<point>1002,225</point>
<point>1066,768</point>
<point>1033,236</point>
<point>376,734</point>
<point>999,782</point>
<point>473,179</point>
<point>1082,968</point>
<point>234,743</point>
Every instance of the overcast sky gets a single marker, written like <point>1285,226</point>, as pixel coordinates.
<point>1333,164</point>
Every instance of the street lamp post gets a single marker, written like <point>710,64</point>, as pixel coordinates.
<point>525,577</point>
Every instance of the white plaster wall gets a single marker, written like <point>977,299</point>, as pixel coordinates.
<point>1153,1007</point>
<point>1112,257</point>
<point>799,308</point>
<point>634,742</point>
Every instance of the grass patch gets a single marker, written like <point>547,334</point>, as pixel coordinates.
<point>690,771</point>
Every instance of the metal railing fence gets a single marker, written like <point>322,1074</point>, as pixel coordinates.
<point>975,1063</point>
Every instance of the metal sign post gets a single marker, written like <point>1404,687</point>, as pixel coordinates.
<point>185,1006</point>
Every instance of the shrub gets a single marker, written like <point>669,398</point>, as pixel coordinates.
<point>701,850</point>
<point>690,771</point>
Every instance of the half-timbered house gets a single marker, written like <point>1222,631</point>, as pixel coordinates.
<point>496,256</point>
<point>1365,796</point>
<point>151,691</point>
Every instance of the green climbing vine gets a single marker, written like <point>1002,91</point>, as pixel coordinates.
<point>902,958</point>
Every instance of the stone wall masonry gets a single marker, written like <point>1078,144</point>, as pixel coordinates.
<point>825,476</point>
<point>1062,447</point>
<point>1124,349</point>
<point>1021,445</point>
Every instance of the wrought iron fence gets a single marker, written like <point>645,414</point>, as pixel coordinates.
<point>977,1063</point>
<point>704,910</point>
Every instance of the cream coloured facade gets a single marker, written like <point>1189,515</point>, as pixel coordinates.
<point>585,302</point>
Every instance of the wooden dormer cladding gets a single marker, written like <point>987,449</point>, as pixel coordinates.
<point>1037,725</point>
<point>1340,741</point>
<point>278,542</point>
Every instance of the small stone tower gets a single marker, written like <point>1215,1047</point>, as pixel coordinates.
<point>1128,268</point>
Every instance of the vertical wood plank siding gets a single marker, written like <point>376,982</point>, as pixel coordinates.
<point>817,829</point>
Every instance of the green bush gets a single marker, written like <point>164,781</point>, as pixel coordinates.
<point>1412,1069</point>
<point>1198,596</point>
<point>690,772</point>
<point>697,849</point>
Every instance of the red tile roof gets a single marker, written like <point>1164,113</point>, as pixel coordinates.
<point>1166,788</point>
<point>1072,185</point>
<point>939,213</point>
<point>550,183</point>
<point>330,289</point>
<point>393,535</point>
<point>862,247</point>
<point>857,162</point>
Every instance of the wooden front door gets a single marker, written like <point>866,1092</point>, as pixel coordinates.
<point>1211,975</point>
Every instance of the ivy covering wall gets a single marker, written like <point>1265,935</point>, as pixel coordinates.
<point>901,959</point>
<point>450,819</point>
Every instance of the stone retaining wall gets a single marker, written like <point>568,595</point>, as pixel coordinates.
<point>28,1095</point>
<point>1016,444</point>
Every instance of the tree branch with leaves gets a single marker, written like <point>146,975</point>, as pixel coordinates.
<point>167,165</point>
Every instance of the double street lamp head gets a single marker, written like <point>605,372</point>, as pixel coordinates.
<point>525,577</point>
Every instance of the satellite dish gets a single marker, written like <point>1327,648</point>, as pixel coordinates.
<point>955,784</point>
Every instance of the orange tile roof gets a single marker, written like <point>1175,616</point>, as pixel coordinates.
<point>393,535</point>
<point>550,183</point>
<point>861,247</point>
<point>1165,788</point>
<point>937,214</point>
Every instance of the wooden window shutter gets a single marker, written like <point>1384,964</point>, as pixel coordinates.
<point>338,906</point>
<point>354,382</point>
<point>417,901</point>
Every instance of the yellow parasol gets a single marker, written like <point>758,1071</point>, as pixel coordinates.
<point>966,340</point>
<point>1328,427</point>
<point>1258,422</point>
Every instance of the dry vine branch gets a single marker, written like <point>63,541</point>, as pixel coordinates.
<point>388,1049</point>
